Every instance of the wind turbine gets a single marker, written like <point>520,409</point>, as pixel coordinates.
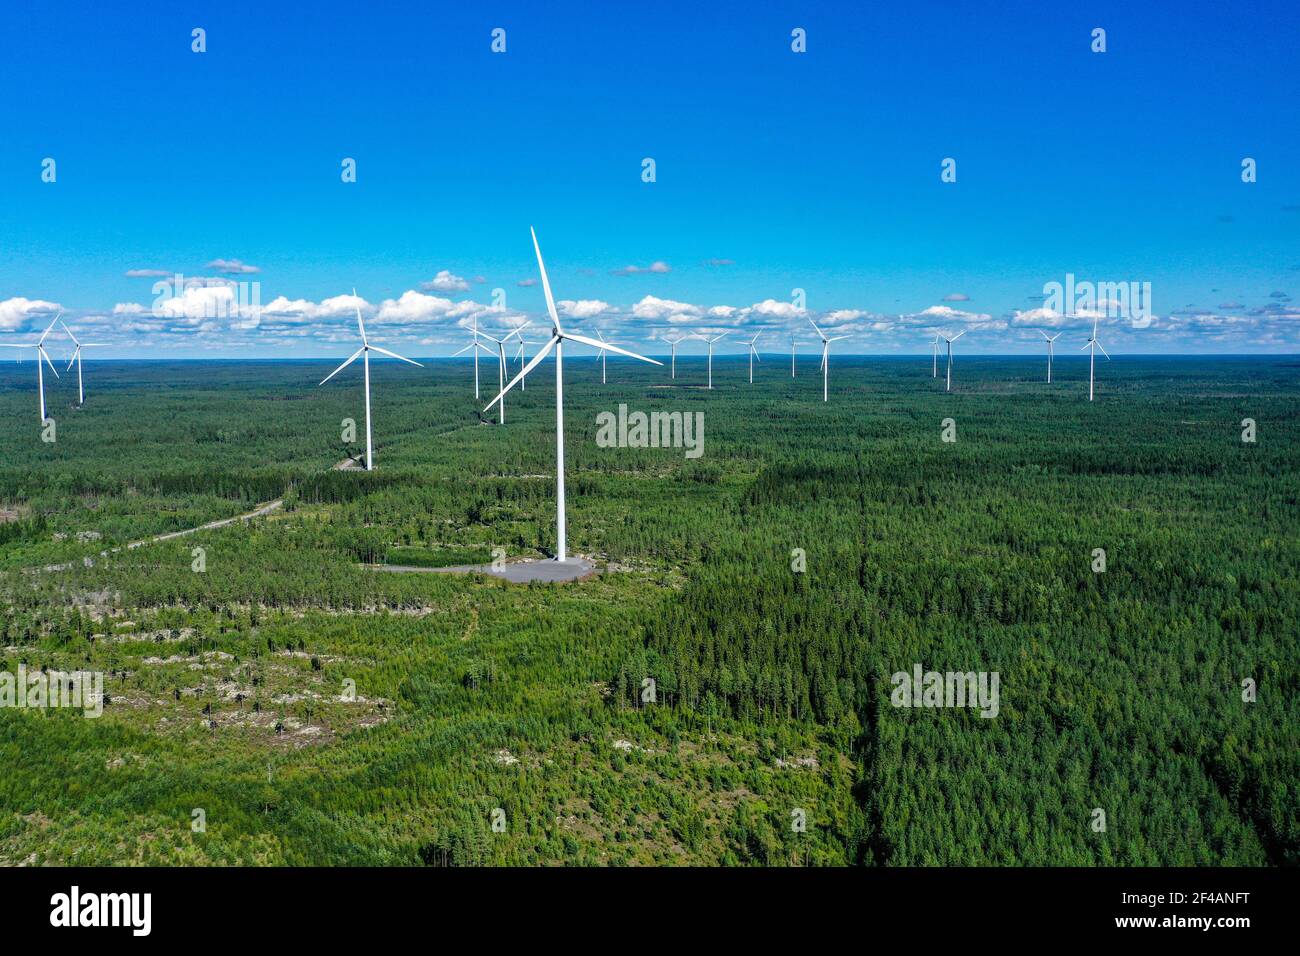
<point>1092,345</point>
<point>712,342</point>
<point>39,345</point>
<point>556,342</point>
<point>826,352</point>
<point>76,357</point>
<point>792,355</point>
<point>502,366</point>
<point>519,355</point>
<point>1050,340</point>
<point>948,388</point>
<point>476,345</point>
<point>365,350</point>
<point>601,355</point>
<point>673,343</point>
<point>753,354</point>
<point>934,371</point>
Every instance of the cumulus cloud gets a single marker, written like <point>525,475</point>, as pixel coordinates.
<point>845,315</point>
<point>776,309</point>
<point>445,281</point>
<point>146,273</point>
<point>1041,316</point>
<point>15,312</point>
<point>584,308</point>
<point>948,313</point>
<point>199,302</point>
<point>653,307</point>
<point>412,306</point>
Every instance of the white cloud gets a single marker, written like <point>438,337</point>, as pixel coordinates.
<point>15,312</point>
<point>584,308</point>
<point>445,281</point>
<point>232,267</point>
<point>413,307</point>
<point>196,303</point>
<point>660,268</point>
<point>780,310</point>
<point>948,313</point>
<point>652,307</point>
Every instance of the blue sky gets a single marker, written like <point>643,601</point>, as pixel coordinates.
<point>775,171</point>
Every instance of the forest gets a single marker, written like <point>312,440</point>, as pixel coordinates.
<point>719,694</point>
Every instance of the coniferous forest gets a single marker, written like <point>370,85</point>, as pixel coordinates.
<point>722,691</point>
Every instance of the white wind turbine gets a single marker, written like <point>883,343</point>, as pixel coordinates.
<point>753,354</point>
<point>1092,345</point>
<point>934,370</point>
<point>673,343</point>
<point>39,345</point>
<point>502,365</point>
<point>712,342</point>
<point>792,355</point>
<point>826,353</point>
<point>364,351</point>
<point>556,342</point>
<point>76,357</point>
<point>1050,340</point>
<point>476,345</point>
<point>519,355</point>
<point>601,355</point>
<point>948,387</point>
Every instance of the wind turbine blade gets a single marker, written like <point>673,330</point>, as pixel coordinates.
<point>360,325</point>
<point>957,336</point>
<point>376,348</point>
<point>69,331</point>
<point>836,339</point>
<point>532,364</point>
<point>1044,335</point>
<point>819,331</point>
<point>613,348</point>
<point>1086,345</point>
<point>464,350</point>
<point>73,359</point>
<point>1103,351</point>
<point>41,341</point>
<point>546,283</point>
<point>42,354</point>
<point>355,355</point>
